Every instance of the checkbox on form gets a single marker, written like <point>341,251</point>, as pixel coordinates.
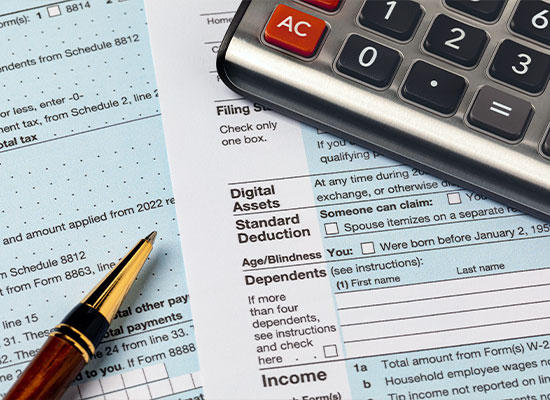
<point>54,11</point>
<point>367,248</point>
<point>332,228</point>
<point>454,198</point>
<point>330,350</point>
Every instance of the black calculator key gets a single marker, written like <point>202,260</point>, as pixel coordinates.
<point>456,41</point>
<point>368,61</point>
<point>397,19</point>
<point>500,113</point>
<point>546,146</point>
<point>521,66</point>
<point>487,10</point>
<point>532,19</point>
<point>434,87</point>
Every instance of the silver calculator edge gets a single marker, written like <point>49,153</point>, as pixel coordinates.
<point>312,92</point>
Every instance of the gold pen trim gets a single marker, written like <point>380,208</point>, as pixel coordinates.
<point>80,335</point>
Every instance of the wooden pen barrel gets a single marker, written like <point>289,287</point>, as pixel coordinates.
<point>50,372</point>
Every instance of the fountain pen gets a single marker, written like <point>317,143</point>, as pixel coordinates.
<point>73,342</point>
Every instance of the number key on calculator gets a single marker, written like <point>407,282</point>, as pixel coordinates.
<point>458,87</point>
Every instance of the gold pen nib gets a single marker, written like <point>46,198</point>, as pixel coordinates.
<point>107,296</point>
<point>151,238</point>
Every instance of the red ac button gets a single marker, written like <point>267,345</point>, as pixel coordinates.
<point>295,31</point>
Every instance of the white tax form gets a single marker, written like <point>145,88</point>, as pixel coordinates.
<point>322,270</point>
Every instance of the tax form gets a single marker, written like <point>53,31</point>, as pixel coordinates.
<point>322,270</point>
<point>84,176</point>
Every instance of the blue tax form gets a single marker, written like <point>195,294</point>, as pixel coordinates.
<point>343,274</point>
<point>84,175</point>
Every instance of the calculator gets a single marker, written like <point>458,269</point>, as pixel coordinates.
<point>458,88</point>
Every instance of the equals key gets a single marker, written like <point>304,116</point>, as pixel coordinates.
<point>500,113</point>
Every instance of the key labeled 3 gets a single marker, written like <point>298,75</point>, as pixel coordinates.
<point>295,31</point>
<point>521,66</point>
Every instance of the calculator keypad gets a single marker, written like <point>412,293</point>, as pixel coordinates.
<point>532,19</point>
<point>397,19</point>
<point>368,61</point>
<point>500,113</point>
<point>494,111</point>
<point>487,10</point>
<point>434,88</point>
<point>521,66</point>
<point>456,41</point>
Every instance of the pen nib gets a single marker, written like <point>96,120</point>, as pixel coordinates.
<point>151,238</point>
